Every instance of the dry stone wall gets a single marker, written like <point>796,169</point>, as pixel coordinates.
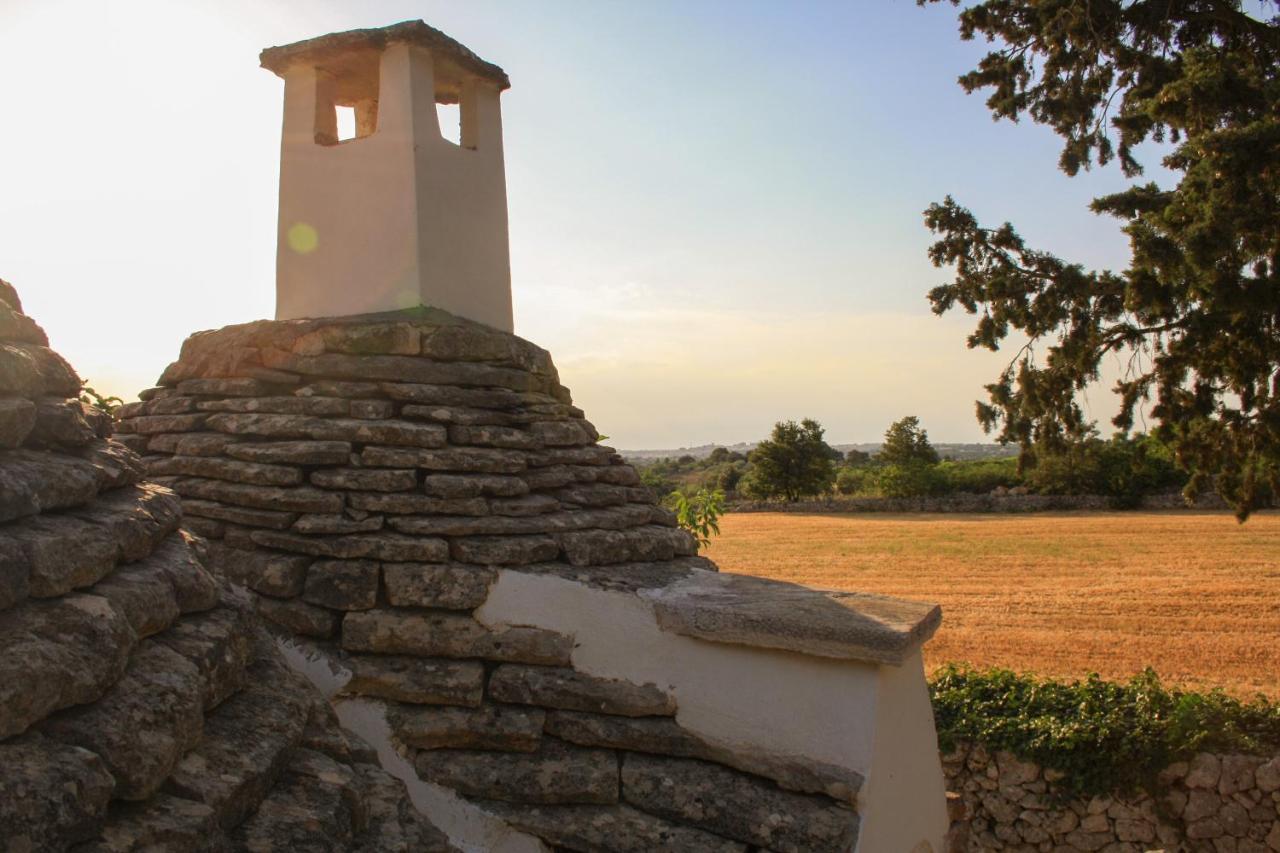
<point>1212,804</point>
<point>405,495</point>
<point>141,705</point>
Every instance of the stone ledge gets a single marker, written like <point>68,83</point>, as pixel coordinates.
<point>750,611</point>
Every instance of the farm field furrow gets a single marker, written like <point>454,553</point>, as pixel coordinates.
<point>1196,596</point>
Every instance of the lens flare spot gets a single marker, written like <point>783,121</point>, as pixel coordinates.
<point>302,238</point>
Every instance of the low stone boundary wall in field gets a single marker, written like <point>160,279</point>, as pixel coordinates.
<point>975,503</point>
<point>1213,803</point>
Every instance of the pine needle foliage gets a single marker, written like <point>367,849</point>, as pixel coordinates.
<point>1195,316</point>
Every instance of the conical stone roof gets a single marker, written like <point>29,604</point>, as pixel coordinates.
<point>142,706</point>
<point>372,480</point>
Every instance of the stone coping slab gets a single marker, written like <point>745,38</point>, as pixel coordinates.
<point>750,611</point>
<point>317,50</point>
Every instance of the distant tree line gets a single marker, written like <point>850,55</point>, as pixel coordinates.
<point>796,462</point>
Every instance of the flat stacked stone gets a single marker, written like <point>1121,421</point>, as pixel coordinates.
<point>369,478</point>
<point>142,707</point>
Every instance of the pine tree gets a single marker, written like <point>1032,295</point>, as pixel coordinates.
<point>1196,314</point>
<point>793,462</point>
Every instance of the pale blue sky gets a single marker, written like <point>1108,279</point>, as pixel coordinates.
<point>715,206</point>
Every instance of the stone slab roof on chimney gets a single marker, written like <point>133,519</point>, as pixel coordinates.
<point>317,50</point>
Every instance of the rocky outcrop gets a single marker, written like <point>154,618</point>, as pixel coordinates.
<point>370,481</point>
<point>1211,804</point>
<point>142,706</point>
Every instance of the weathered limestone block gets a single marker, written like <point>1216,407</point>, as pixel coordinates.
<point>17,418</point>
<point>556,773</point>
<point>31,370</point>
<point>1204,771</point>
<point>735,805</point>
<point>505,550</point>
<point>386,338</point>
<point>202,444</point>
<point>475,342</point>
<point>615,518</point>
<point>299,617</point>
<point>593,455</point>
<point>750,611</point>
<point>62,553</point>
<point>377,546</point>
<point>293,452</point>
<point>566,433</point>
<point>450,395</point>
<point>332,388</point>
<point>1268,776</point>
<point>524,506</point>
<point>144,724</point>
<point>244,745</point>
<point>366,479</point>
<point>300,499</point>
<point>220,645</point>
<point>403,369</point>
<point>493,436</point>
<point>17,327</point>
<point>317,406</point>
<point>145,596</point>
<point>207,528</point>
<point>51,795</point>
<point>33,482</point>
<point>354,430</point>
<point>136,517</point>
<point>342,584</point>
<point>638,545</point>
<point>555,476</point>
<point>556,687</point>
<point>394,825</point>
<point>193,586</point>
<point>472,460</point>
<point>268,518</point>
<point>57,654</point>
<point>157,424</point>
<point>474,485</point>
<point>161,823</point>
<point>495,727</point>
<point>417,680</point>
<point>1237,774</point>
<point>664,736</point>
<point>372,409</point>
<point>610,829</point>
<point>317,524</point>
<point>67,423</point>
<point>462,416</point>
<point>15,574</point>
<point>407,504</point>
<point>224,387</point>
<point>593,495</point>
<point>213,467</point>
<point>447,586</point>
<point>301,812</point>
<point>76,548</point>
<point>450,635</point>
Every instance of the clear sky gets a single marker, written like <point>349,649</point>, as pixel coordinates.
<point>715,206</point>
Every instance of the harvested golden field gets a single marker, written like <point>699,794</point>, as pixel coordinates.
<point>1196,596</point>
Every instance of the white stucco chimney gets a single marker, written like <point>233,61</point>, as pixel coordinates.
<point>397,216</point>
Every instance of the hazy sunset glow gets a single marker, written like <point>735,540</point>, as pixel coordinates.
<point>715,208</point>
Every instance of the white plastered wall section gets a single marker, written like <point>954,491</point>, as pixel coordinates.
<point>401,217</point>
<point>874,719</point>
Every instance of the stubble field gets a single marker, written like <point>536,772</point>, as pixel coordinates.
<point>1196,596</point>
